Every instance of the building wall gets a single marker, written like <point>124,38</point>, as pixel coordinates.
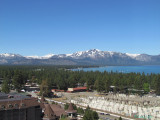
<point>2,114</point>
<point>32,113</point>
<point>22,114</point>
<point>70,89</point>
<point>15,114</point>
<point>38,114</point>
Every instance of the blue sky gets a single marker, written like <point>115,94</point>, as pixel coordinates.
<point>39,27</point>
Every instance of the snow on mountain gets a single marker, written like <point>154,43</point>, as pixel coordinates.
<point>40,57</point>
<point>93,53</point>
<point>48,56</point>
<point>33,57</point>
<point>109,52</point>
<point>144,57</point>
<point>132,55</point>
<point>10,55</point>
<point>93,57</point>
<point>68,55</point>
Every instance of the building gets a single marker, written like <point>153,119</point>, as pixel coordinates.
<point>19,107</point>
<point>57,90</point>
<point>51,111</point>
<point>55,112</point>
<point>31,87</point>
<point>71,113</point>
<point>78,89</point>
<point>58,110</point>
<point>48,113</point>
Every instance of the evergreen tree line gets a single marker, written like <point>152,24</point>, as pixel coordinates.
<point>14,77</point>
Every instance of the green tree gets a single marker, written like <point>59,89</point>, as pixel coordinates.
<point>146,87</point>
<point>66,106</point>
<point>137,82</point>
<point>120,118</point>
<point>107,84</point>
<point>90,115</point>
<point>157,85</point>
<point>71,81</point>
<point>18,81</point>
<point>95,115</point>
<point>44,88</point>
<point>99,85</point>
<point>5,86</point>
<point>80,110</point>
<point>63,117</point>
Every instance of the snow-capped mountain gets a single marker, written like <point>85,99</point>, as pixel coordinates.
<point>132,55</point>
<point>10,55</point>
<point>9,58</point>
<point>93,53</point>
<point>89,57</point>
<point>40,57</point>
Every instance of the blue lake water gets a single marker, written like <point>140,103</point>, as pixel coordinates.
<point>125,69</point>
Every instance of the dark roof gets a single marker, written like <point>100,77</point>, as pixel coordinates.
<point>12,97</point>
<point>58,110</point>
<point>48,112</point>
<point>3,96</point>
<point>80,88</point>
<point>70,109</point>
<point>57,90</point>
<point>18,104</point>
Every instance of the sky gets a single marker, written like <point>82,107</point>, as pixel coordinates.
<point>40,27</point>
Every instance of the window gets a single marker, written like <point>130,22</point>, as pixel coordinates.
<point>16,105</point>
<point>10,105</point>
<point>23,105</point>
<point>2,107</point>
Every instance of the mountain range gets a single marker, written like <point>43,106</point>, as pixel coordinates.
<point>89,57</point>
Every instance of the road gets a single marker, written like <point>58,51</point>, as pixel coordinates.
<point>110,117</point>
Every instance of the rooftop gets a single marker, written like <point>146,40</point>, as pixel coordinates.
<point>58,110</point>
<point>70,109</point>
<point>12,97</point>
<point>48,112</point>
<point>17,101</point>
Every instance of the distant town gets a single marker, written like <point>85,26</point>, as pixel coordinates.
<point>54,93</point>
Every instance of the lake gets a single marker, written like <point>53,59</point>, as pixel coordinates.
<point>125,69</point>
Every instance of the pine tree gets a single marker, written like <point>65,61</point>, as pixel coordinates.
<point>120,118</point>
<point>90,115</point>
<point>157,85</point>
<point>107,84</point>
<point>146,87</point>
<point>44,88</point>
<point>5,86</point>
<point>18,81</point>
<point>99,85</point>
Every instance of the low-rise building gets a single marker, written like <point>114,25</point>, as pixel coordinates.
<point>78,89</point>
<point>19,107</point>
<point>55,112</point>
<point>71,113</point>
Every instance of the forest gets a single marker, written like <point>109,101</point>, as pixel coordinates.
<point>62,77</point>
